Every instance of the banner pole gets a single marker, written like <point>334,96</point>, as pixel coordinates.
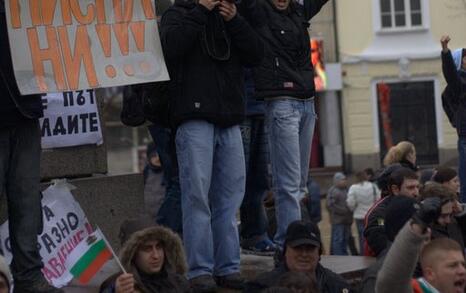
<point>113,252</point>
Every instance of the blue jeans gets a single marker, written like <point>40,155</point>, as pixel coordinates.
<point>360,226</point>
<point>291,128</point>
<point>253,217</point>
<point>20,152</point>
<point>462,167</point>
<point>339,240</point>
<point>212,179</point>
<point>169,214</point>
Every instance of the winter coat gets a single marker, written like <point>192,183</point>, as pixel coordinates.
<point>361,197</point>
<point>286,69</point>
<point>327,281</point>
<point>170,279</point>
<point>452,231</point>
<point>336,204</point>
<point>205,56</point>
<point>400,263</point>
<point>455,91</point>
<point>374,229</point>
<point>28,107</point>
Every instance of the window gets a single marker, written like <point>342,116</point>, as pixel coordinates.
<point>400,14</point>
<point>406,111</point>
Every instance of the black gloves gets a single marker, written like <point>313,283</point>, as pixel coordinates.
<point>427,212</point>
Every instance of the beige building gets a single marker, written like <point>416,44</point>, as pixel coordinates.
<point>392,79</point>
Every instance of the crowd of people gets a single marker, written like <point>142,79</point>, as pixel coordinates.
<point>241,100</point>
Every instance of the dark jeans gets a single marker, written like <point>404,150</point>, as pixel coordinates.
<point>170,214</point>
<point>360,226</point>
<point>340,237</point>
<point>462,167</point>
<point>252,212</point>
<point>20,152</point>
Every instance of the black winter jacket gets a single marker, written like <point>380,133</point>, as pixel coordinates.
<point>327,281</point>
<point>374,230</point>
<point>287,69</point>
<point>205,58</point>
<point>30,106</point>
<point>455,91</point>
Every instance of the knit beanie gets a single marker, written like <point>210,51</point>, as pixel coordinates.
<point>399,211</point>
<point>444,174</point>
<point>338,177</point>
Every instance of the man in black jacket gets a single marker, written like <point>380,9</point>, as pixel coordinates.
<point>206,44</point>
<point>302,250</point>
<point>285,79</point>
<point>402,181</point>
<point>20,151</point>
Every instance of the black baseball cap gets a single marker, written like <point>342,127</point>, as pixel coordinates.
<point>301,233</point>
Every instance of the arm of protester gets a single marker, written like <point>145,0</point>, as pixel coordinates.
<point>448,65</point>
<point>124,284</point>
<point>400,262</point>
<point>375,234</point>
<point>399,265</point>
<point>180,30</point>
<point>244,38</point>
<point>312,7</point>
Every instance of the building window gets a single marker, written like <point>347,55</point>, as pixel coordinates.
<point>407,112</point>
<point>395,14</point>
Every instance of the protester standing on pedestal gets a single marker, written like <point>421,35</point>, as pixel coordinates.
<point>453,100</point>
<point>285,79</point>
<point>20,151</point>
<point>206,43</point>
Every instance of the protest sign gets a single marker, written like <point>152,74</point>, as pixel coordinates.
<point>64,227</point>
<point>81,44</point>
<point>70,119</point>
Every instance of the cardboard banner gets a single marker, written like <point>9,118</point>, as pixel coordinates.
<point>70,119</point>
<point>80,44</point>
<point>65,226</point>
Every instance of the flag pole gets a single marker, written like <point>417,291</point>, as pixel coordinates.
<point>113,252</point>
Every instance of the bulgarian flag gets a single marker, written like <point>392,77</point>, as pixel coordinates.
<point>91,254</point>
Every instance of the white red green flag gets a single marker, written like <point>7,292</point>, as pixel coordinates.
<point>89,257</point>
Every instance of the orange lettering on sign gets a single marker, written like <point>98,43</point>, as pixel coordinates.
<point>121,34</point>
<point>66,12</point>
<point>80,17</point>
<point>100,7</point>
<point>48,11</point>
<point>104,34</point>
<point>82,53</point>
<point>138,29</point>
<point>34,7</point>
<point>52,54</point>
<point>15,14</point>
<point>119,10</point>
<point>148,9</point>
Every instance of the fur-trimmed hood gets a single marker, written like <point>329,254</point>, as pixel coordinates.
<point>175,260</point>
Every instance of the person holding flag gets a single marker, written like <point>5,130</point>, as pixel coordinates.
<point>152,259</point>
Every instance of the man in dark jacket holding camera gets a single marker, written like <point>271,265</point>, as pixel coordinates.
<point>20,151</point>
<point>285,79</point>
<point>206,44</point>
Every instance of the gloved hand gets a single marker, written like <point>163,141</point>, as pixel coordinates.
<point>427,212</point>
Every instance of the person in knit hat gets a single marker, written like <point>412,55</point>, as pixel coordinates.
<point>5,276</point>
<point>447,177</point>
<point>454,71</point>
<point>341,217</point>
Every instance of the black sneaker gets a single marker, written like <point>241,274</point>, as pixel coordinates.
<point>35,286</point>
<point>231,281</point>
<point>203,284</point>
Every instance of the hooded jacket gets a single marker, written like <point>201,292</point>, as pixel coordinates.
<point>205,56</point>
<point>455,92</point>
<point>170,279</point>
<point>13,106</point>
<point>287,69</point>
